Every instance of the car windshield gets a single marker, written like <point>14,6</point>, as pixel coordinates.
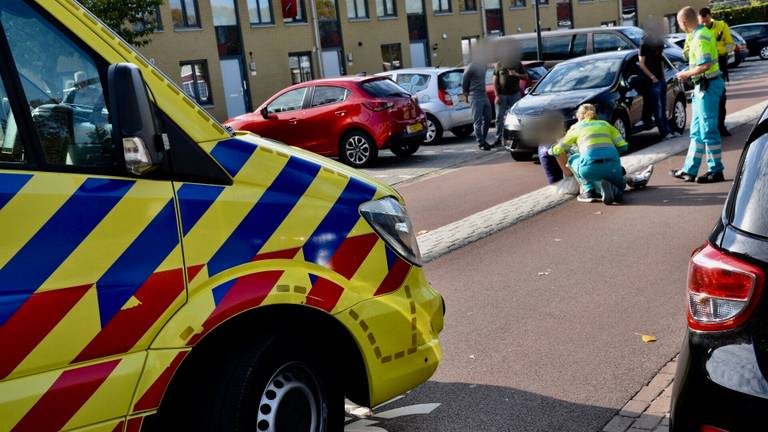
<point>382,88</point>
<point>634,34</point>
<point>581,75</point>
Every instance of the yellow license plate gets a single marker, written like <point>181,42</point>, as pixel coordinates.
<point>414,128</point>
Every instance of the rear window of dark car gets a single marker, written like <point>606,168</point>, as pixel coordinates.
<point>750,209</point>
<point>382,88</point>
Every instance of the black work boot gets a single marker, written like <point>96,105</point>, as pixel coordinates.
<point>711,177</point>
<point>589,197</point>
<point>682,175</point>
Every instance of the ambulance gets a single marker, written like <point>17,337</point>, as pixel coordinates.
<point>159,272</point>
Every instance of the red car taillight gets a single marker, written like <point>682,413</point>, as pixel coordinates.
<point>378,105</point>
<point>711,429</point>
<point>443,95</point>
<point>722,290</point>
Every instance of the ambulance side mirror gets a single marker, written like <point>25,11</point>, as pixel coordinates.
<point>134,122</point>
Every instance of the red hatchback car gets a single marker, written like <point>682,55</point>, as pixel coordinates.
<point>349,117</point>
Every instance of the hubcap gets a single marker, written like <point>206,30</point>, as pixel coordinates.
<point>291,402</point>
<point>431,131</point>
<point>679,115</point>
<point>357,149</point>
<point>619,125</point>
<point>764,52</point>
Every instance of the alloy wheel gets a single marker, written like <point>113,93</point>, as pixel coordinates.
<point>680,116</point>
<point>621,127</point>
<point>291,402</point>
<point>764,53</point>
<point>431,132</point>
<point>357,149</point>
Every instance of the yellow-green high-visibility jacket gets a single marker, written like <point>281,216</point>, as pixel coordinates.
<point>703,49</point>
<point>593,137</point>
<point>723,37</point>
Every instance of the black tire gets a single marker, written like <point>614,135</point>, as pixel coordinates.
<point>676,123</point>
<point>434,131</point>
<point>405,150</point>
<point>764,52</point>
<point>463,131</point>
<point>522,156</point>
<point>278,380</point>
<point>621,123</point>
<point>357,149</point>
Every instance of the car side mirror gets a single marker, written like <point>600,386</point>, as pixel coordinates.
<point>528,90</point>
<point>636,82</point>
<point>134,121</point>
<point>268,115</point>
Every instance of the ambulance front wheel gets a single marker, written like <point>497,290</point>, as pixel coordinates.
<point>278,386</point>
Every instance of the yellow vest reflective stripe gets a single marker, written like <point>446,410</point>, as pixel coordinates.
<point>704,50</point>
<point>589,134</point>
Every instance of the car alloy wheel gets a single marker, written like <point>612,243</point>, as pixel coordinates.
<point>431,131</point>
<point>680,115</point>
<point>621,127</point>
<point>764,53</point>
<point>357,150</point>
<point>291,401</point>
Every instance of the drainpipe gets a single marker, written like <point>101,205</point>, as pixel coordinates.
<point>620,21</point>
<point>482,18</point>
<point>316,31</point>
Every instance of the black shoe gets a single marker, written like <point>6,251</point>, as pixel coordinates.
<point>725,132</point>
<point>589,197</point>
<point>484,147</point>
<point>608,192</point>
<point>496,143</point>
<point>711,178</point>
<point>682,175</point>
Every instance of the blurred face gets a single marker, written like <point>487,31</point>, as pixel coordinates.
<point>707,20</point>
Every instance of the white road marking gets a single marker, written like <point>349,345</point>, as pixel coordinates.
<point>420,409</point>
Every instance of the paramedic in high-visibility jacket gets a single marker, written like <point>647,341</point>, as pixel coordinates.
<point>597,165</point>
<point>705,72</point>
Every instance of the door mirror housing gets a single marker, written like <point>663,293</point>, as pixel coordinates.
<point>636,82</point>
<point>528,90</point>
<point>268,115</point>
<point>134,122</point>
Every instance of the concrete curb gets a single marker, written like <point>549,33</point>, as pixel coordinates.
<point>455,235</point>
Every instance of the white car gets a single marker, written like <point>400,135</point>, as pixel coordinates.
<point>437,91</point>
<point>678,39</point>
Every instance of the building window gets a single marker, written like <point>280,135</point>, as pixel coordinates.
<point>441,6</point>
<point>301,14</point>
<point>386,8</point>
<point>185,13</point>
<point>468,5</point>
<point>414,6</point>
<point>300,65</point>
<point>608,24</point>
<point>357,9</point>
<point>672,25</point>
<point>493,19</point>
<point>518,4</point>
<point>391,56</point>
<point>543,2</point>
<point>260,12</point>
<point>467,45</point>
<point>153,18</point>
<point>195,82</point>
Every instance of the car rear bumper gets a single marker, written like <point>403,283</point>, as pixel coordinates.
<point>720,382</point>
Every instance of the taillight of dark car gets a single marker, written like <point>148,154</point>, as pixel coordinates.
<point>378,105</point>
<point>722,290</point>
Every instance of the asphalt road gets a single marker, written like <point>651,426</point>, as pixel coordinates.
<point>544,319</point>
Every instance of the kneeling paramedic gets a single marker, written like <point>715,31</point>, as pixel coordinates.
<point>705,72</point>
<point>597,166</point>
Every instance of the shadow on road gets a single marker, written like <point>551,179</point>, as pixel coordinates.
<point>682,196</point>
<point>484,408</point>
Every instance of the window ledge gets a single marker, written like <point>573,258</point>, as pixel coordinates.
<point>437,14</point>
<point>512,8</point>
<point>265,25</point>
<point>358,20</point>
<point>188,29</point>
<point>296,24</point>
<point>468,12</point>
<point>388,18</point>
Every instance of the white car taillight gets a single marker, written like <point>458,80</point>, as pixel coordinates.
<point>722,290</point>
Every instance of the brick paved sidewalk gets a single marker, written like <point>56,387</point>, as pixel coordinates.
<point>649,408</point>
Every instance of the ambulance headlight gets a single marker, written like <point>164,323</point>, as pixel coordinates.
<point>390,221</point>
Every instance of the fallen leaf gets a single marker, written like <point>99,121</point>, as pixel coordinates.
<point>472,356</point>
<point>598,213</point>
<point>557,240</point>
<point>648,338</point>
<point>545,273</point>
<point>422,232</point>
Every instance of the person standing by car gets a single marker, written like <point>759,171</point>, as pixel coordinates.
<point>507,74</point>
<point>705,72</point>
<point>725,46</point>
<point>651,63</point>
<point>473,87</point>
<point>598,163</point>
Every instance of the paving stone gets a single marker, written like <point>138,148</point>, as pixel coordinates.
<point>648,394</point>
<point>618,424</point>
<point>665,421</point>
<point>669,368</point>
<point>634,408</point>
<point>661,380</point>
<point>647,421</point>
<point>659,406</point>
<point>661,429</point>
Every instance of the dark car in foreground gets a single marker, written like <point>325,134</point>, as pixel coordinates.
<point>349,117</point>
<point>613,82</point>
<point>756,36</point>
<point>722,374</point>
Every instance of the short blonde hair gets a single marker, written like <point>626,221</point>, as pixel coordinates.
<point>586,112</point>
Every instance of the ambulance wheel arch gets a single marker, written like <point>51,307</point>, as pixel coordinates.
<point>239,357</point>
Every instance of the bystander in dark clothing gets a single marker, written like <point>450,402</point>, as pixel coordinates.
<point>474,87</point>
<point>654,99</point>
<point>506,85</point>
